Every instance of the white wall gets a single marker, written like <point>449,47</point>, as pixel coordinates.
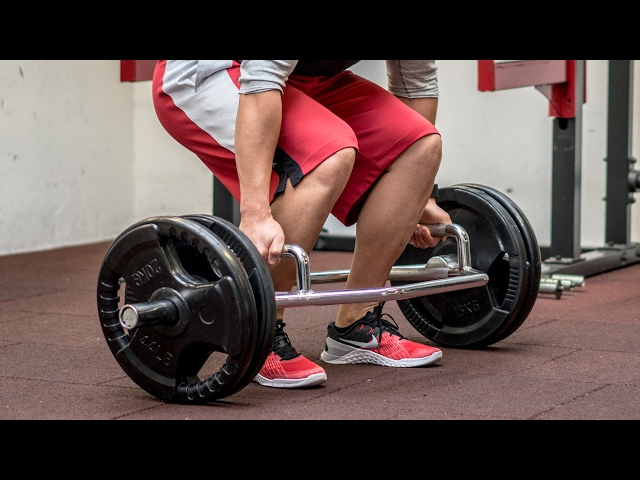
<point>66,157</point>
<point>82,155</point>
<point>169,179</point>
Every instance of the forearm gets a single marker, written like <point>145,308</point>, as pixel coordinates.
<point>257,131</point>
<point>415,82</point>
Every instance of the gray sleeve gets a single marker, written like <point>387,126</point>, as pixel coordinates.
<point>262,75</point>
<point>413,78</point>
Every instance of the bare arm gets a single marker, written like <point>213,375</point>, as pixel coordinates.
<point>257,130</point>
<point>426,106</point>
<point>415,83</point>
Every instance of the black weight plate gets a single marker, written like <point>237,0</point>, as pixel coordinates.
<point>261,285</point>
<point>533,254</point>
<point>219,315</point>
<point>471,317</point>
<point>518,302</point>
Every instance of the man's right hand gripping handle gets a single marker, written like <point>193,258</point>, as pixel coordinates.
<point>267,236</point>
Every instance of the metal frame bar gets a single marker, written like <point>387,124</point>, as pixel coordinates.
<point>619,159</point>
<point>565,189</point>
<point>224,205</point>
<point>566,256</point>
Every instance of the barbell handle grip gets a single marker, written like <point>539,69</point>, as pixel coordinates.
<point>438,230</point>
<point>303,266</point>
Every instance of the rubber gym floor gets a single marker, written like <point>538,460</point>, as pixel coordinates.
<point>576,357</point>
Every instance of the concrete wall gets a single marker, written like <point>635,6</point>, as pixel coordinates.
<point>82,155</point>
<point>66,153</point>
<point>169,180</point>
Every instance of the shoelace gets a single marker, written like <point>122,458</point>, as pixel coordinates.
<point>385,325</point>
<point>281,343</point>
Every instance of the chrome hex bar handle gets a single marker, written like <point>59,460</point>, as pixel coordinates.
<point>440,274</point>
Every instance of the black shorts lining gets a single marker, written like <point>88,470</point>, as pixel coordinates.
<point>286,168</point>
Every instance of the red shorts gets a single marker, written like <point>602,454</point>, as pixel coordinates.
<point>320,116</point>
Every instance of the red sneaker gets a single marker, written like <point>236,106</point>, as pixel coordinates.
<point>286,368</point>
<point>374,340</point>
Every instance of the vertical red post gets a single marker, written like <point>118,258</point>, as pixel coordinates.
<point>564,96</point>
<point>486,75</point>
<point>136,70</point>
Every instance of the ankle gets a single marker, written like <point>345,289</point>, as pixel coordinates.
<point>349,315</point>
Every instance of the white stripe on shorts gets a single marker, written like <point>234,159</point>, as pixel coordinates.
<point>204,91</point>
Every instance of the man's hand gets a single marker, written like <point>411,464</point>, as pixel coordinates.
<point>268,237</point>
<point>431,215</point>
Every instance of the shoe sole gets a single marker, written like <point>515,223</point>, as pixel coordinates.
<point>310,381</point>
<point>367,356</point>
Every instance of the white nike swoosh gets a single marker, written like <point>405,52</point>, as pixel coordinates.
<point>373,343</point>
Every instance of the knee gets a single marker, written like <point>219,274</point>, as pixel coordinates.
<point>343,161</point>
<point>424,152</point>
<point>340,164</point>
<point>431,147</point>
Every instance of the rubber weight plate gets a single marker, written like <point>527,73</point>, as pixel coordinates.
<point>179,259</point>
<point>472,317</point>
<point>261,285</point>
<point>518,303</point>
<point>533,254</point>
